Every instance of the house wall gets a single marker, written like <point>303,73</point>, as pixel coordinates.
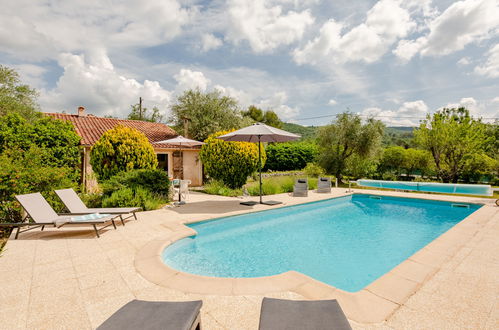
<point>192,168</point>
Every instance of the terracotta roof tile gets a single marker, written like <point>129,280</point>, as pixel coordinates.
<point>90,128</point>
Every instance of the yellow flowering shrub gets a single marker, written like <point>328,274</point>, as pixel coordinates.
<point>230,162</point>
<point>121,149</point>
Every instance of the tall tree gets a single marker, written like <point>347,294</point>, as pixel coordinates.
<point>16,97</point>
<point>268,117</point>
<point>453,137</point>
<point>205,113</point>
<point>345,137</point>
<point>144,114</point>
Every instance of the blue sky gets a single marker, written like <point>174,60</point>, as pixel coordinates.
<point>396,60</point>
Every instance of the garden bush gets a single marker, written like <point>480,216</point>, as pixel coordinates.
<point>145,188</point>
<point>313,170</point>
<point>216,187</point>
<point>23,173</point>
<point>121,149</point>
<point>57,140</point>
<point>154,180</point>
<point>230,162</point>
<point>133,197</point>
<point>289,156</point>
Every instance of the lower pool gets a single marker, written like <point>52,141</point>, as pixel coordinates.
<point>347,242</point>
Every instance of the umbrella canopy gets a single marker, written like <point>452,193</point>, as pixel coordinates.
<point>259,133</point>
<point>182,141</point>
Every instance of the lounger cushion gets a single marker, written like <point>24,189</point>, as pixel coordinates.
<point>282,314</point>
<point>151,315</point>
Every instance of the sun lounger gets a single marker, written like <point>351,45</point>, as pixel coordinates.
<point>75,205</point>
<point>300,189</point>
<point>324,185</point>
<point>155,315</point>
<point>43,215</point>
<point>280,314</point>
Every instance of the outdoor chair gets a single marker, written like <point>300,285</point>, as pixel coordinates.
<point>182,189</point>
<point>155,315</point>
<point>75,205</point>
<point>43,214</point>
<point>300,189</point>
<point>280,314</point>
<point>324,185</point>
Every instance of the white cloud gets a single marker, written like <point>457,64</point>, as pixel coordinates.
<point>495,100</point>
<point>491,67</point>
<point>264,26</point>
<point>462,23</point>
<point>31,74</point>
<point>464,61</point>
<point>97,86</point>
<point>242,97</point>
<point>187,79</point>
<point>408,114</point>
<point>332,102</point>
<point>43,29</point>
<point>406,49</point>
<point>277,104</point>
<point>210,42</point>
<point>385,22</point>
<point>469,103</point>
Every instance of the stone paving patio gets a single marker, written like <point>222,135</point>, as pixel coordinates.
<point>68,278</point>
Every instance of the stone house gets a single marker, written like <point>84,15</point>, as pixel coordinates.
<point>181,163</point>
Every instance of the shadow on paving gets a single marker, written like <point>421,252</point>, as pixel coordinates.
<point>210,207</point>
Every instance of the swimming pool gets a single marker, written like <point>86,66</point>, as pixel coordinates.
<point>346,242</point>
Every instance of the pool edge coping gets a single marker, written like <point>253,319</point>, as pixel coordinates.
<point>373,304</point>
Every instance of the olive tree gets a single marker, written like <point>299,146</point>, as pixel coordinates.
<point>205,113</point>
<point>453,137</point>
<point>345,137</point>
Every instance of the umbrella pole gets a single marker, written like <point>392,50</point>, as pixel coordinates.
<point>260,167</point>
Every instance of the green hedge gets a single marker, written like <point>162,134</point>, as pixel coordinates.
<point>289,156</point>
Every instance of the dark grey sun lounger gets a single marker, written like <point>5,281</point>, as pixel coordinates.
<point>43,215</point>
<point>280,314</point>
<point>75,205</point>
<point>155,315</point>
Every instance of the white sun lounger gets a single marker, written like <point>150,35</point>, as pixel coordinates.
<point>42,214</point>
<point>75,205</point>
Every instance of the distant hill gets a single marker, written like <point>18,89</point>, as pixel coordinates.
<point>394,136</point>
<point>306,132</point>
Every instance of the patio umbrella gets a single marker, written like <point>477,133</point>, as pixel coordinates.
<point>182,141</point>
<point>259,133</point>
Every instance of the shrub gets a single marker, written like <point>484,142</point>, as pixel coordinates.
<point>56,139</point>
<point>128,197</point>
<point>121,149</point>
<point>215,187</point>
<point>313,170</point>
<point>230,162</point>
<point>289,156</point>
<point>23,173</point>
<point>154,180</point>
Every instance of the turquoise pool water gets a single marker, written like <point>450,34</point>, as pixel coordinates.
<point>347,242</point>
<point>446,188</point>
